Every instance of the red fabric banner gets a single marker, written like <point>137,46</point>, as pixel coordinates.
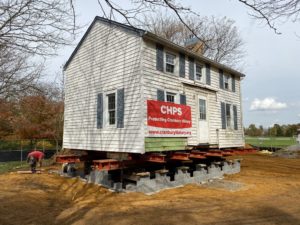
<point>168,115</point>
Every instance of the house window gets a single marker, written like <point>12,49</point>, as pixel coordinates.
<point>198,75</point>
<point>202,109</point>
<point>170,97</point>
<point>170,63</point>
<point>111,106</point>
<point>228,116</point>
<point>226,82</point>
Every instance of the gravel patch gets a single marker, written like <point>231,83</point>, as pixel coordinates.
<point>225,185</point>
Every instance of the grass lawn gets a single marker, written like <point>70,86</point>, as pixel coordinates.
<point>10,166</point>
<point>271,141</point>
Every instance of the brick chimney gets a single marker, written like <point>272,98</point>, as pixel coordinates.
<point>195,45</point>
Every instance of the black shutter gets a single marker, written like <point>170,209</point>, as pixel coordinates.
<point>99,110</point>
<point>159,57</point>
<point>235,117</point>
<point>191,69</point>
<point>181,65</point>
<point>182,99</point>
<point>221,79</point>
<point>207,70</point>
<point>120,108</point>
<point>223,115</point>
<point>233,83</point>
<point>160,95</point>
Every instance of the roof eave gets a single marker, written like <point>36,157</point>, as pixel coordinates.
<point>155,38</point>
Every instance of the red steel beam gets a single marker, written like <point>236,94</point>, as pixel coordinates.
<point>157,158</point>
<point>67,159</point>
<point>197,155</point>
<point>180,156</point>
<point>107,164</point>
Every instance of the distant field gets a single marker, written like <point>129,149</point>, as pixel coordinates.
<point>271,141</point>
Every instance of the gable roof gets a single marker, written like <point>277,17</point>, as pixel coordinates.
<point>139,32</point>
<point>153,37</point>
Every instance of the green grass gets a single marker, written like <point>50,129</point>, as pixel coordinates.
<point>277,142</point>
<point>11,166</point>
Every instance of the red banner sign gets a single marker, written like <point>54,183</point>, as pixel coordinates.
<point>168,115</point>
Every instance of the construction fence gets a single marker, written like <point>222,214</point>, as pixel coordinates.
<point>17,150</point>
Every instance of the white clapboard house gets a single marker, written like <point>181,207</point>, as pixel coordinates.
<point>128,90</point>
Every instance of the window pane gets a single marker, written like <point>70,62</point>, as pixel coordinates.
<point>198,71</point>
<point>226,82</point>
<point>112,118</point>
<point>228,115</point>
<point>111,102</point>
<point>170,97</point>
<point>170,63</point>
<point>170,58</point>
<point>169,68</point>
<point>202,109</point>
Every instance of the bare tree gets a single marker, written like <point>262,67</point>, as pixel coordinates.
<point>36,26</point>
<point>17,75</point>
<point>265,10</point>
<point>271,11</point>
<point>31,30</point>
<point>222,41</point>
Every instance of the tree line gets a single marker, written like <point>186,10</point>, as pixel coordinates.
<point>38,114</point>
<point>276,130</point>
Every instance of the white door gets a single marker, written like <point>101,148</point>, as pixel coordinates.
<point>203,128</point>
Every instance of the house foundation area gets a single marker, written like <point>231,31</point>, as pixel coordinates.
<point>152,172</point>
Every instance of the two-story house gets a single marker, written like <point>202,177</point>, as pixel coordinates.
<point>129,90</point>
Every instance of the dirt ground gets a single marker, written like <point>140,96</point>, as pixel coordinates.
<point>270,194</point>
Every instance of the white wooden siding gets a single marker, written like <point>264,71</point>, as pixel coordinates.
<point>108,59</point>
<point>154,79</point>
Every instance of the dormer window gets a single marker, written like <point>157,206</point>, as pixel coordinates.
<point>170,62</point>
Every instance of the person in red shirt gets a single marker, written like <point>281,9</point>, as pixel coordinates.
<point>33,158</point>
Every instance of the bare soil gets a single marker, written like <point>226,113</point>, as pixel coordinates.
<point>268,193</point>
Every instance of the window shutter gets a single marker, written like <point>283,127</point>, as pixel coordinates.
<point>235,117</point>
<point>233,83</point>
<point>100,110</point>
<point>191,69</point>
<point>159,57</point>
<point>182,99</point>
<point>223,115</point>
<point>221,79</point>
<point>160,95</point>
<point>207,70</point>
<point>181,65</point>
<point>120,108</point>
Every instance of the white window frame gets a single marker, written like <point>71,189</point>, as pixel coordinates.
<point>106,110</point>
<point>174,93</point>
<point>167,63</point>
<point>226,78</point>
<point>202,72</point>
<point>170,94</point>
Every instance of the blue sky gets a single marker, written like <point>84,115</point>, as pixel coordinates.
<point>270,91</point>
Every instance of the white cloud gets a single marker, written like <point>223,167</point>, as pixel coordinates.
<point>299,114</point>
<point>267,104</point>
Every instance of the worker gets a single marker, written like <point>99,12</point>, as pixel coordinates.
<point>33,158</point>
